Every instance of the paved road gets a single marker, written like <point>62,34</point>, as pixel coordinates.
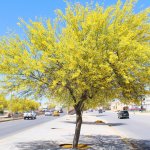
<point>137,126</point>
<point>49,135</point>
<point>16,126</point>
<point>136,129</point>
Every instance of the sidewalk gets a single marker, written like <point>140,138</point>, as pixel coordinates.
<point>139,113</point>
<point>50,135</point>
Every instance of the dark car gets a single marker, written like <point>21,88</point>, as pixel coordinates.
<point>123,114</point>
<point>100,110</point>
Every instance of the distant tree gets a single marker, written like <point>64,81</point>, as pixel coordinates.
<point>88,55</point>
<point>51,105</point>
<point>3,103</point>
<point>33,105</point>
<point>15,105</point>
<point>22,105</point>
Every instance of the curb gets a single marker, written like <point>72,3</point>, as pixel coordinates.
<point>131,145</point>
<point>11,119</point>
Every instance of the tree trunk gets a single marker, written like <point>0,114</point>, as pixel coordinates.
<point>78,128</point>
<point>79,109</point>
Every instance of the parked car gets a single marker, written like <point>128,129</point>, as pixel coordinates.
<point>48,113</point>
<point>123,114</point>
<point>56,113</point>
<point>29,115</point>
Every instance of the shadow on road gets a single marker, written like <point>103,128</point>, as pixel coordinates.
<point>115,124</point>
<point>103,142</point>
<point>99,142</point>
<point>100,115</point>
<point>140,144</point>
<point>38,145</point>
<point>93,123</point>
<point>95,142</point>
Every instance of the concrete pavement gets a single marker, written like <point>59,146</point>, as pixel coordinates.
<point>15,126</point>
<point>49,135</point>
<point>140,113</point>
<point>135,129</point>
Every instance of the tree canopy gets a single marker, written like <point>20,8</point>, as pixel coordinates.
<point>3,102</point>
<point>22,105</point>
<point>86,55</point>
<point>92,50</point>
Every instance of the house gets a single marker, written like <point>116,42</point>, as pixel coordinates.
<point>117,105</point>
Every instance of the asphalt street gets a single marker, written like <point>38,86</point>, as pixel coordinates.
<point>16,126</point>
<point>136,127</point>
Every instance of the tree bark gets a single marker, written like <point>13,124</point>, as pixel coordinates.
<point>78,128</point>
<point>79,109</point>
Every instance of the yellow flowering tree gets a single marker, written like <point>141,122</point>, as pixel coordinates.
<point>3,103</point>
<point>15,105</point>
<point>22,105</point>
<point>87,55</point>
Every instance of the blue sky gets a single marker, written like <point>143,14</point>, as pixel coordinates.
<point>11,10</point>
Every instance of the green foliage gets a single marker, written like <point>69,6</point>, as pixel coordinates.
<point>51,105</point>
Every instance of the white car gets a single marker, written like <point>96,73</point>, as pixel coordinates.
<point>29,115</point>
<point>48,113</point>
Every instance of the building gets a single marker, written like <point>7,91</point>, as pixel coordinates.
<point>117,105</point>
<point>146,103</point>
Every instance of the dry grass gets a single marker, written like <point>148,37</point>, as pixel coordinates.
<point>99,121</point>
<point>80,146</point>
